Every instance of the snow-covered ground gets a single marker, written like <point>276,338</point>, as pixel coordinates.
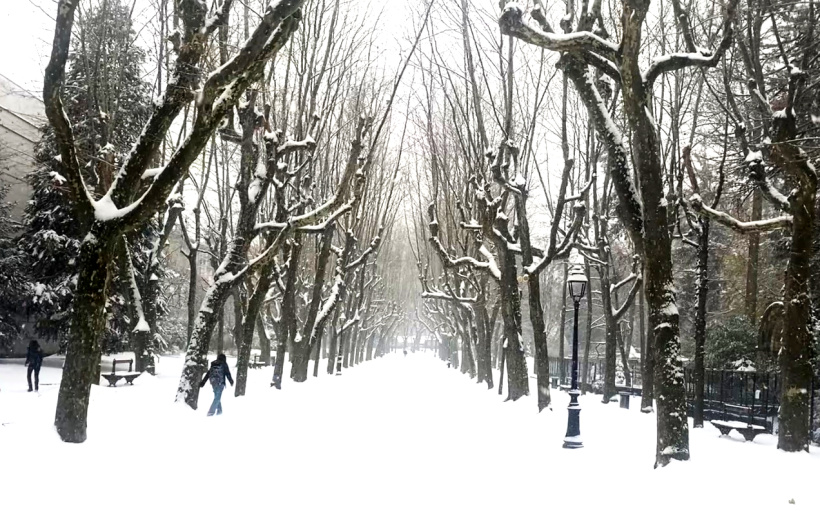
<point>397,443</point>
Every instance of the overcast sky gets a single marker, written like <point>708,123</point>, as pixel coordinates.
<point>27,29</point>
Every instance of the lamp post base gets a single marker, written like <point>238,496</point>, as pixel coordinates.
<point>573,437</point>
<point>572,444</point>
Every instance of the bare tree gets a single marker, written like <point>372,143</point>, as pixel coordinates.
<point>645,216</point>
<point>131,200</point>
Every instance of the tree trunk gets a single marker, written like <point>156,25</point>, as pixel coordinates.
<point>502,364</point>
<point>492,334</point>
<point>624,358</point>
<point>145,358</point>
<point>192,288</point>
<point>87,327</point>
<point>610,329</point>
<point>673,428</point>
<point>220,331</point>
<point>647,362</point>
<point>610,349</point>
<point>483,351</point>
<point>252,320</point>
<point>562,368</point>
<point>287,323</point>
<point>209,317</point>
<point>300,359</point>
<point>795,356</point>
<point>321,350</point>
<point>626,343</point>
<point>196,359</point>
<point>541,354</point>
<point>468,364</point>
<point>354,345</point>
<point>334,341</point>
<point>371,345</point>
<point>587,332</point>
<point>754,259</point>
<point>517,380</point>
<point>345,349</point>
<point>702,286</point>
<point>239,297</point>
<point>264,340</point>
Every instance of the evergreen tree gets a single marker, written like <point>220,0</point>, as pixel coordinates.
<point>107,101</point>
<point>12,281</point>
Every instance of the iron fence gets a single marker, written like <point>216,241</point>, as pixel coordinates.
<point>746,396</point>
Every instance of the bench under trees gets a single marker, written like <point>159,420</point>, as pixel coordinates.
<point>256,362</point>
<point>138,192</point>
<point>749,431</point>
<point>113,377</point>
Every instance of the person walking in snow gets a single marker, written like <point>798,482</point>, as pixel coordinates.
<point>34,360</point>
<point>217,374</point>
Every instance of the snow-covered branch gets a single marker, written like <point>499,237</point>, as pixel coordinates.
<point>370,249</point>
<point>440,295</point>
<point>219,18</point>
<point>263,43</point>
<point>446,259</point>
<point>743,227</point>
<point>136,298</point>
<point>52,86</point>
<point>512,23</point>
<point>694,57</point>
<point>559,250</point>
<point>638,280</point>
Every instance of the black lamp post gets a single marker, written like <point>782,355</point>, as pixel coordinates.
<point>577,282</point>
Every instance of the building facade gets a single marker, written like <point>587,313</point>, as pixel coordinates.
<point>21,116</point>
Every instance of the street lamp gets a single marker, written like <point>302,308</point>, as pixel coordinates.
<point>577,282</point>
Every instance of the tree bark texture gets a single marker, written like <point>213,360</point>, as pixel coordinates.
<point>753,262</point>
<point>88,325</point>
<point>702,286</point>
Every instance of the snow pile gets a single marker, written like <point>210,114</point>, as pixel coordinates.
<point>397,443</point>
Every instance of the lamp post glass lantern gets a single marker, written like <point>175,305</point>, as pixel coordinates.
<point>577,281</point>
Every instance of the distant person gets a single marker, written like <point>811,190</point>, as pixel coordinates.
<point>405,353</point>
<point>34,360</point>
<point>217,374</point>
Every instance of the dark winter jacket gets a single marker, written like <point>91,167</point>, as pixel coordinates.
<point>34,357</point>
<point>217,374</point>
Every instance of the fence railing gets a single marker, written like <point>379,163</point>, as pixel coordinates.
<point>746,396</point>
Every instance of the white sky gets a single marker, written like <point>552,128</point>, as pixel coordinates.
<point>27,30</point>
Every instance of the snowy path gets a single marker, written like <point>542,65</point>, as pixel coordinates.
<point>393,444</point>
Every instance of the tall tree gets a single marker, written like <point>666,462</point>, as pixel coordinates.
<point>132,200</point>
<point>645,217</point>
<point>103,80</point>
<point>777,141</point>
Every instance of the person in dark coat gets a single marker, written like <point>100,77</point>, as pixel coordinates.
<point>34,360</point>
<point>217,374</point>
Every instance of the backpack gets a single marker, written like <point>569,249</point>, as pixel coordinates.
<point>216,377</point>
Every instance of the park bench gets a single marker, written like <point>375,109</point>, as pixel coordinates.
<point>749,431</point>
<point>113,377</point>
<point>254,363</point>
<point>632,390</point>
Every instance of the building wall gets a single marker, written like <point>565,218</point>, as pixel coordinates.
<point>21,116</point>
